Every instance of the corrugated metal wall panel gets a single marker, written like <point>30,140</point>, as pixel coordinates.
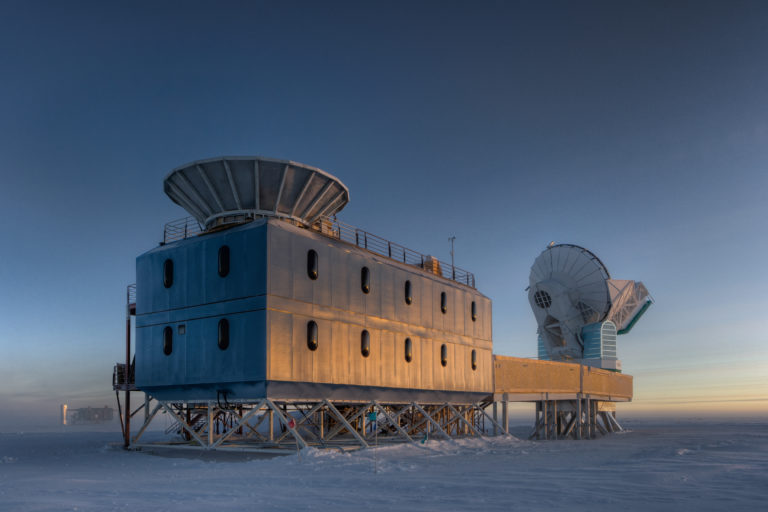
<point>197,299</point>
<point>270,260</point>
<point>280,344</point>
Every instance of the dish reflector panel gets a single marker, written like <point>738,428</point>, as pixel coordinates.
<point>220,190</point>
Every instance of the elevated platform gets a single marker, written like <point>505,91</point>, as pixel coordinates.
<point>573,401</point>
<point>529,380</point>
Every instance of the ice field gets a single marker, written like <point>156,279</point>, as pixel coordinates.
<point>693,465</point>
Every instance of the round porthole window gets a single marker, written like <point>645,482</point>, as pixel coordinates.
<point>542,299</point>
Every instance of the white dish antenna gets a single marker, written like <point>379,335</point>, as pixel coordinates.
<point>228,190</point>
<point>570,289</point>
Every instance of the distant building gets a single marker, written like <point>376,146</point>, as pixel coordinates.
<point>89,415</point>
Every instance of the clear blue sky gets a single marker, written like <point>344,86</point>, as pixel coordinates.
<point>636,129</point>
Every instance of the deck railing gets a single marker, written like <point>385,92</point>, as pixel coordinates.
<point>332,228</point>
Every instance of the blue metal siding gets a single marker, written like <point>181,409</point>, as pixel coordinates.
<point>229,307</point>
<point>153,367</point>
<point>243,360</point>
<point>196,279</point>
<point>196,357</point>
<point>543,354</point>
<point>590,335</point>
<point>198,299</point>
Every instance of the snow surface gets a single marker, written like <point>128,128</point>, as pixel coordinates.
<point>677,466</point>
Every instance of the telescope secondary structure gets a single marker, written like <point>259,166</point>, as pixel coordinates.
<point>264,312</point>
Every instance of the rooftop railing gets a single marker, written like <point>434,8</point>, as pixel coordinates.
<point>332,228</point>
<point>180,229</point>
<point>131,294</point>
<point>378,245</point>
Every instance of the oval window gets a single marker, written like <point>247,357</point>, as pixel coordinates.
<point>408,293</point>
<point>444,355</point>
<point>474,311</point>
<point>408,350</point>
<point>312,264</point>
<point>223,260</point>
<point>168,273</point>
<point>223,334</point>
<point>167,341</point>
<point>474,359</point>
<point>365,280</point>
<point>443,303</point>
<point>312,335</point>
<point>365,343</point>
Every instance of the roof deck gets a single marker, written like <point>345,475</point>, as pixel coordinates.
<point>330,227</point>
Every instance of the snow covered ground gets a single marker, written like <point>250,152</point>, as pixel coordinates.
<point>695,465</point>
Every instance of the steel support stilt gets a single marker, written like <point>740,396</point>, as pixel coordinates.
<point>127,429</point>
<point>505,415</point>
<point>579,421</point>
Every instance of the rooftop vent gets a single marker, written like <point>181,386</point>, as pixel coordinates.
<point>227,190</point>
